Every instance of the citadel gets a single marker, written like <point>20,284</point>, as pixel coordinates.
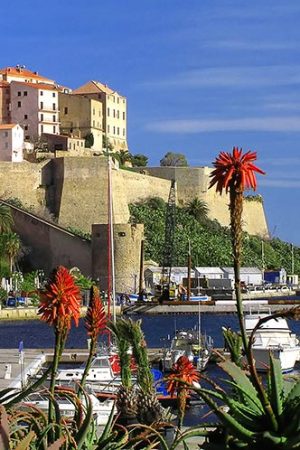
<point>53,142</point>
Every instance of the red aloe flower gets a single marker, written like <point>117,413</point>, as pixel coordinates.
<point>95,320</point>
<point>235,169</point>
<point>183,371</point>
<point>60,301</point>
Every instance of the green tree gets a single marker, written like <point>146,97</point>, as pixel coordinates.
<point>6,220</point>
<point>12,247</point>
<point>89,140</point>
<point>172,159</point>
<point>123,156</point>
<point>139,160</point>
<point>198,209</point>
<point>107,145</point>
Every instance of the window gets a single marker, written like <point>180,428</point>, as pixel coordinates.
<point>19,104</point>
<point>25,93</point>
<point>93,124</point>
<point>108,128</point>
<point>25,116</point>
<point>6,134</point>
<point>19,94</point>
<point>6,144</point>
<point>27,137</point>
<point>123,115</point>
<point>54,106</point>
<point>114,113</point>
<point>54,118</point>
<point>118,100</point>
<point>123,131</point>
<point>42,128</point>
<point>53,94</point>
<point>42,117</point>
<point>26,127</point>
<point>118,114</point>
<point>81,144</point>
<point>54,129</point>
<point>66,110</point>
<point>114,128</point>
<point>108,112</point>
<point>41,93</point>
<point>93,111</point>
<point>42,105</point>
<point>118,130</point>
<point>77,143</point>
<point>70,145</point>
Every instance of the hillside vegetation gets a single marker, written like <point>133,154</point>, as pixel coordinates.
<point>210,242</point>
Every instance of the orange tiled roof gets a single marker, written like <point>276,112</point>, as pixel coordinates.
<point>22,73</point>
<point>93,87</point>
<point>7,126</point>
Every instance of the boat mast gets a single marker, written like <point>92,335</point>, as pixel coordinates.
<point>111,259</point>
<point>189,273</point>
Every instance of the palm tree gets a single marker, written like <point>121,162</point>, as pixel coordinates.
<point>6,220</point>
<point>198,209</point>
<point>233,173</point>
<point>12,247</point>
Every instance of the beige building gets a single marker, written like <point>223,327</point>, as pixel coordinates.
<point>63,145</point>
<point>11,142</point>
<point>81,116</point>
<point>114,112</point>
<point>35,107</point>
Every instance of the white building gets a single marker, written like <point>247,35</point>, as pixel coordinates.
<point>248,275</point>
<point>209,272</point>
<point>153,275</point>
<point>35,107</point>
<point>11,142</point>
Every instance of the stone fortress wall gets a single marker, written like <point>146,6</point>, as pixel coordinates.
<point>75,190</point>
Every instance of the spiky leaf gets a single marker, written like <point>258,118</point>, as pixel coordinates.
<point>276,386</point>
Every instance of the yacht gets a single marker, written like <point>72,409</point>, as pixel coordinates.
<point>273,336</point>
<point>188,343</point>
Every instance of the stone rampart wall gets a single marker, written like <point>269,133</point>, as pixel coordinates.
<point>75,190</point>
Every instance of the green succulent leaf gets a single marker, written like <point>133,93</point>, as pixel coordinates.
<point>276,386</point>
<point>242,383</point>
<point>294,394</point>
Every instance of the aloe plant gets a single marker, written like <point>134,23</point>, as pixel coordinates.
<point>246,416</point>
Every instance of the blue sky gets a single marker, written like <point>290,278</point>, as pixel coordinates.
<point>200,76</point>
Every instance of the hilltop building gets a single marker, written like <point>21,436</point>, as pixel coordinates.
<point>81,116</point>
<point>11,142</point>
<point>114,107</point>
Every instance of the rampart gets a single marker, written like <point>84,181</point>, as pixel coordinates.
<point>75,190</point>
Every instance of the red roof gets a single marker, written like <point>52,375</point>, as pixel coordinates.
<point>22,72</point>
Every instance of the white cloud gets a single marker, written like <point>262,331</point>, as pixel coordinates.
<point>189,126</point>
<point>232,77</point>
<point>252,45</point>
<point>279,183</point>
<point>289,161</point>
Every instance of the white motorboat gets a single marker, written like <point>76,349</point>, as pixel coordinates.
<point>187,343</point>
<point>101,410</point>
<point>100,370</point>
<point>273,336</point>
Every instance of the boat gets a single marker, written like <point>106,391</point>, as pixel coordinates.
<point>101,409</point>
<point>274,336</point>
<point>190,344</point>
<point>198,298</point>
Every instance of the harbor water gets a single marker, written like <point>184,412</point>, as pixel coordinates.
<point>36,334</point>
